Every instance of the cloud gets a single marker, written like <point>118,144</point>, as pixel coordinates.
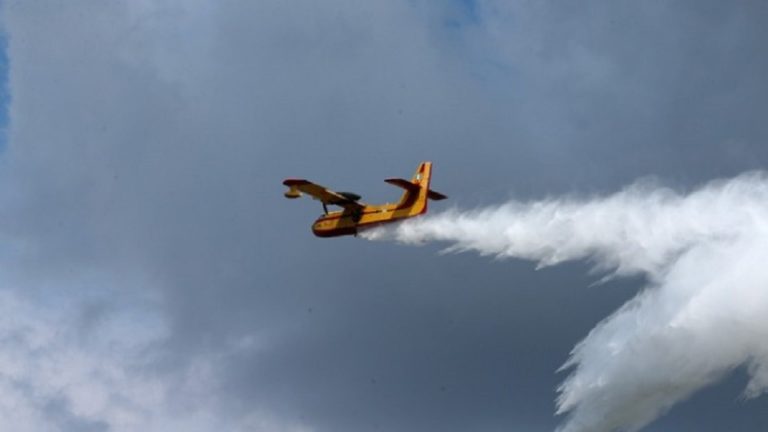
<point>140,186</point>
<point>138,194</point>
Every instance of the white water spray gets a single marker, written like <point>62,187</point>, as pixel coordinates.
<point>703,313</point>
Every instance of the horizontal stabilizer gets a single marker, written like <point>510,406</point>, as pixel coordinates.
<point>437,196</point>
<point>403,183</point>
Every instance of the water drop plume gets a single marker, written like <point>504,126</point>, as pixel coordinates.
<point>703,312</point>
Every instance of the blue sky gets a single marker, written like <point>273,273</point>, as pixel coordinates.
<point>4,95</point>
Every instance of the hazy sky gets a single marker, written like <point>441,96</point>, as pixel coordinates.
<point>154,278</point>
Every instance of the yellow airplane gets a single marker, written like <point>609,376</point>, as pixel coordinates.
<point>357,216</point>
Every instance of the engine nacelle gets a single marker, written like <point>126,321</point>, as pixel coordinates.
<point>350,196</point>
<point>292,193</point>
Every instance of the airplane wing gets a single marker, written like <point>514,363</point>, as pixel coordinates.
<point>327,196</point>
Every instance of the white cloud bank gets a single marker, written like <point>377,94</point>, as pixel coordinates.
<point>703,313</point>
<point>94,365</point>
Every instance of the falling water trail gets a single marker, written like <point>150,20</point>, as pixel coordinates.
<point>703,313</point>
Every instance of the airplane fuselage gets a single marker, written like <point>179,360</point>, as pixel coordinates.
<point>344,222</point>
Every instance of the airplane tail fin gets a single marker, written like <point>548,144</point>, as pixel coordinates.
<point>417,189</point>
